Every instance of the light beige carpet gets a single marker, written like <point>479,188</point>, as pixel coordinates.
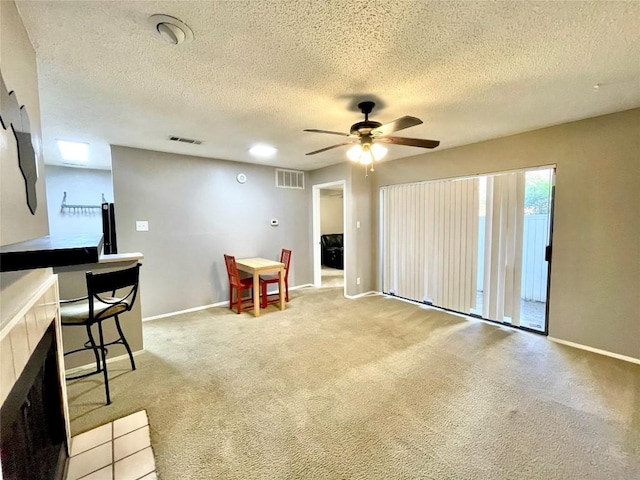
<point>369,389</point>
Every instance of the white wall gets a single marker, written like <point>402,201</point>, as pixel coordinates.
<point>595,271</point>
<point>197,212</point>
<point>18,68</point>
<point>331,214</point>
<point>84,187</point>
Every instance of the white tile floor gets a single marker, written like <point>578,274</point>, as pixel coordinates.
<point>119,450</point>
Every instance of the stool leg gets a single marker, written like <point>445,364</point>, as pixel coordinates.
<point>104,363</point>
<point>125,343</point>
<point>94,347</point>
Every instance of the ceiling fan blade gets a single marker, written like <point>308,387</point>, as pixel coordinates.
<point>399,124</point>
<point>410,142</point>
<point>329,148</point>
<point>327,131</point>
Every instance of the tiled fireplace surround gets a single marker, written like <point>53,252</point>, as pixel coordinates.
<point>127,452</point>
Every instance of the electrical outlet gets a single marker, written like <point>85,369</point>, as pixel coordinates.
<point>358,281</point>
<point>142,226</point>
<point>358,224</point>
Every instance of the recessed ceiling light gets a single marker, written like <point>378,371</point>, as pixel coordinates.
<point>263,151</point>
<point>73,151</point>
<point>171,30</point>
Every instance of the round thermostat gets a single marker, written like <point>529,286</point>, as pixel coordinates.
<point>241,178</point>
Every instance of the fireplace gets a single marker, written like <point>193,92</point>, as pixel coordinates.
<point>32,425</point>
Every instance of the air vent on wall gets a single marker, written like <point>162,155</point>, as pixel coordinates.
<point>289,179</point>
<point>185,140</point>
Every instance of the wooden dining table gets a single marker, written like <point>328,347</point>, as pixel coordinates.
<point>257,267</point>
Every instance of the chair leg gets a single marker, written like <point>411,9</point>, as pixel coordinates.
<point>263,297</point>
<point>239,299</point>
<point>125,343</point>
<point>94,347</point>
<point>286,288</point>
<point>104,363</point>
<point>230,297</point>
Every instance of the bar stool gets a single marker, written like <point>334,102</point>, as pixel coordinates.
<point>100,304</point>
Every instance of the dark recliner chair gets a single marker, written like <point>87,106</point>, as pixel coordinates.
<point>332,250</point>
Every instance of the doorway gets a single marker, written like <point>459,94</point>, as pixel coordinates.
<point>329,251</point>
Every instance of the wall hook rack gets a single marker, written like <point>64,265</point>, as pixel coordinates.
<point>79,208</point>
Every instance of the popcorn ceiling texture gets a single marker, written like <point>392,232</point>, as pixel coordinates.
<point>262,71</point>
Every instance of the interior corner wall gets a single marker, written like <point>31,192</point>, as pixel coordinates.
<point>331,214</point>
<point>197,212</point>
<point>83,186</point>
<point>595,272</point>
<point>19,70</point>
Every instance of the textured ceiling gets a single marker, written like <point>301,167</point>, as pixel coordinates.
<point>262,71</point>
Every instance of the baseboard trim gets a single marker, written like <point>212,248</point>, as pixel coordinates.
<point>596,350</point>
<point>360,295</point>
<point>92,366</point>
<point>211,305</point>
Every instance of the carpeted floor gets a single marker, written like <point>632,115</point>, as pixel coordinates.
<point>369,389</point>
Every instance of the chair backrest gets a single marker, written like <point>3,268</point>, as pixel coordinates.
<point>100,283</point>
<point>232,269</point>
<point>285,257</point>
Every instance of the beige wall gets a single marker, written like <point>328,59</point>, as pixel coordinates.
<point>18,68</point>
<point>357,241</point>
<point>331,214</point>
<point>595,277</point>
<point>197,212</point>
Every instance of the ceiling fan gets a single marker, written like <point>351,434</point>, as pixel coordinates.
<point>368,136</point>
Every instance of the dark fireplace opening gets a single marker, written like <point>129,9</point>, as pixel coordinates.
<point>32,429</point>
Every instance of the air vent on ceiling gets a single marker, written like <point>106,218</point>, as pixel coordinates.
<point>289,179</point>
<point>185,140</point>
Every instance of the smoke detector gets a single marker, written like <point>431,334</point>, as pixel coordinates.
<point>170,29</point>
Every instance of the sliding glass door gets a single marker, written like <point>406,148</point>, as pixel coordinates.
<point>475,245</point>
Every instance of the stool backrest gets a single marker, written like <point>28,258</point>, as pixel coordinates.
<point>100,283</point>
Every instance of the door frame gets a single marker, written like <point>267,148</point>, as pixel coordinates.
<point>316,231</point>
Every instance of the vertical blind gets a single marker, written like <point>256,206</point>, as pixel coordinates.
<point>503,247</point>
<point>430,242</point>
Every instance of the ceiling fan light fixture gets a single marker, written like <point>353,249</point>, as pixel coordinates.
<point>354,153</point>
<point>366,154</point>
<point>379,151</point>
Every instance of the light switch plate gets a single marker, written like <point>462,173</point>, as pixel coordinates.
<point>142,226</point>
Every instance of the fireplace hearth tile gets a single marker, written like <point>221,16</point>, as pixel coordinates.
<point>130,423</point>
<point>89,461</point>
<point>92,438</point>
<point>128,442</point>
<point>135,466</point>
<point>131,443</point>
<point>105,473</point>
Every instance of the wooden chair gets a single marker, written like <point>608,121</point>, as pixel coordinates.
<point>104,300</point>
<point>285,257</point>
<point>236,283</point>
